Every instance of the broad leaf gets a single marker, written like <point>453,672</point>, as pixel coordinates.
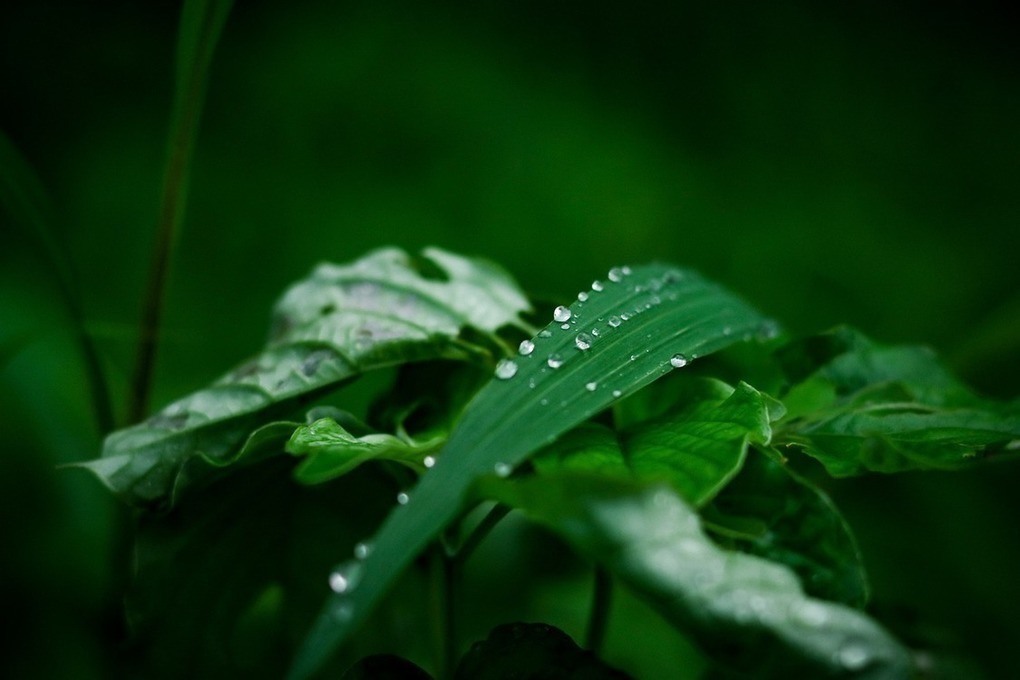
<point>332,451</point>
<point>862,407</point>
<point>769,510</point>
<point>696,450</point>
<point>342,320</point>
<point>751,614</point>
<point>615,339</point>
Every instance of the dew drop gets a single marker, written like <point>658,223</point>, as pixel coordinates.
<point>678,361</point>
<point>583,341</point>
<point>614,321</point>
<point>526,347</point>
<point>727,330</point>
<point>811,614</point>
<point>582,296</point>
<point>853,657</point>
<point>617,393</point>
<point>625,316</point>
<point>561,314</point>
<point>544,402</point>
<point>595,332</point>
<point>506,369</point>
<point>503,469</point>
<point>362,550</point>
<point>403,498</point>
<point>626,270</point>
<point>565,326</point>
<point>616,275</point>
<point>545,334</point>
<point>592,386</point>
<point>554,361</point>
<point>531,383</point>
<point>338,582</point>
<point>597,286</point>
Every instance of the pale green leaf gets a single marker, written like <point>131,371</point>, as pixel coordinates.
<point>342,320</point>
<point>747,612</point>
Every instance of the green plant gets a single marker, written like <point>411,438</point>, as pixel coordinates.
<point>663,429</point>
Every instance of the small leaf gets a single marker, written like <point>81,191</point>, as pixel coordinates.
<point>862,407</point>
<point>697,449</point>
<point>341,321</point>
<point>332,451</point>
<point>749,613</point>
<point>797,525</point>
<point>531,650</point>
<point>625,333</point>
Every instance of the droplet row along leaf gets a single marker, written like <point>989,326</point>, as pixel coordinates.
<point>663,312</point>
<point>327,329</point>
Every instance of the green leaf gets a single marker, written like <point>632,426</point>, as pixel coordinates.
<point>696,449</point>
<point>747,612</point>
<point>862,407</point>
<point>222,584</point>
<point>342,320</point>
<point>332,451</point>
<point>769,510</point>
<point>620,336</point>
<point>531,650</point>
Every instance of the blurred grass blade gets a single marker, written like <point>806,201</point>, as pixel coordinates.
<point>859,407</point>
<point>750,614</point>
<point>200,27</point>
<point>24,200</point>
<point>616,338</point>
<point>327,329</point>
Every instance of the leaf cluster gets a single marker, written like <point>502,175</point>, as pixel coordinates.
<point>659,426</point>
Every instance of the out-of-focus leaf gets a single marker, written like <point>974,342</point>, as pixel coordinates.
<point>787,519</point>
<point>531,650</point>
<point>332,451</point>
<point>224,582</point>
<point>747,612</point>
<point>342,320</point>
<point>616,338</point>
<point>385,667</point>
<point>862,407</point>
<point>696,450</point>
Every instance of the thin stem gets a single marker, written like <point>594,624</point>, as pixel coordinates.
<point>599,616</point>
<point>444,629</point>
<point>487,524</point>
<point>200,28</point>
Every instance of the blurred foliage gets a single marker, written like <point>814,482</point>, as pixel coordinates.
<point>834,163</point>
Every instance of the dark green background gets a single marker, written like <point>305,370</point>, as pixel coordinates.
<point>832,162</point>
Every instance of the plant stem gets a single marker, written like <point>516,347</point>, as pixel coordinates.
<point>444,630</point>
<point>201,24</point>
<point>599,616</point>
<point>487,524</point>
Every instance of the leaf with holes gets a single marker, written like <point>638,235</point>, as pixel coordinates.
<point>386,309</point>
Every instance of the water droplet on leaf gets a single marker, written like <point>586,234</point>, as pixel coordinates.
<point>555,361</point>
<point>429,461</point>
<point>616,275</point>
<point>503,469</point>
<point>617,393</point>
<point>592,386</point>
<point>403,498</point>
<point>506,369</point>
<point>582,296</point>
<point>597,286</point>
<point>853,656</point>
<point>545,334</point>
<point>614,321</point>
<point>678,361</point>
<point>362,550</point>
<point>526,347</point>
<point>561,314</point>
<point>583,341</point>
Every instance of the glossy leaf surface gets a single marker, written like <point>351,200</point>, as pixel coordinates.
<point>327,329</point>
<point>749,613</point>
